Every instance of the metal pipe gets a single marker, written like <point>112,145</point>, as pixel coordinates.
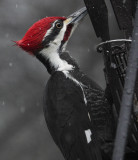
<point>127,99</point>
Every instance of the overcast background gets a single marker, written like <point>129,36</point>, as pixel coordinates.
<point>23,132</point>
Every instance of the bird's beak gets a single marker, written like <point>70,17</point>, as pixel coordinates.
<point>76,17</point>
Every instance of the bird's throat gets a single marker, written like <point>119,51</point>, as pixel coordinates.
<point>53,62</point>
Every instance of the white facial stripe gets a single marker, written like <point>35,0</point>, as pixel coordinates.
<point>49,30</point>
<point>51,52</point>
<point>60,36</point>
<point>88,134</point>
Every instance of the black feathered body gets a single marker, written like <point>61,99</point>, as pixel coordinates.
<point>74,107</point>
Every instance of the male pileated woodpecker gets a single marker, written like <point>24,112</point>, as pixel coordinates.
<point>77,113</point>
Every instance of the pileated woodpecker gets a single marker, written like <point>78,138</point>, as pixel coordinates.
<point>76,110</point>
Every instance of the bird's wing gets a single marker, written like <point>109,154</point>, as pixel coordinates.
<point>68,121</point>
<point>100,110</point>
<point>98,104</point>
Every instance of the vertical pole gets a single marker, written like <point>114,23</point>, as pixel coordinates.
<point>127,99</point>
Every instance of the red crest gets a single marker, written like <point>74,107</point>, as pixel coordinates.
<point>32,40</point>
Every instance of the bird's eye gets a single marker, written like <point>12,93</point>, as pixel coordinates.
<point>58,25</point>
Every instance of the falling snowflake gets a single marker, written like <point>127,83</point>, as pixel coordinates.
<point>3,103</point>
<point>10,64</point>
<point>7,35</point>
<point>124,1</point>
<point>22,109</point>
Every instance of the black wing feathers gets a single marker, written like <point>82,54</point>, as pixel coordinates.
<point>68,120</point>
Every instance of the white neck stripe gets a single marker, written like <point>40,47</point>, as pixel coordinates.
<point>77,82</point>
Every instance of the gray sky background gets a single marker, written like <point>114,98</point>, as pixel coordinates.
<point>23,132</point>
